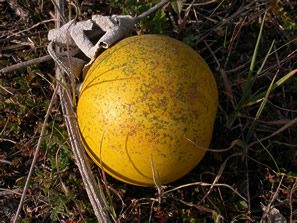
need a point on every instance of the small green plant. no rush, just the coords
(155, 24)
(190, 39)
(18, 107)
(279, 11)
(187, 217)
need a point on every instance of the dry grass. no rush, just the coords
(259, 168)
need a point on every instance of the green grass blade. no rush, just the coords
(275, 163)
(102, 193)
(248, 85)
(260, 110)
(225, 38)
(108, 204)
(263, 63)
(286, 44)
(217, 8)
(60, 82)
(275, 85)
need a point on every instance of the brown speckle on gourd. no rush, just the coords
(147, 95)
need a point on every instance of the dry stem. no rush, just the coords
(35, 155)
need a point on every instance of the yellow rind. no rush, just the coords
(140, 101)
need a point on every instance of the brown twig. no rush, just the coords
(35, 155)
(150, 11)
(268, 208)
(294, 188)
(204, 191)
(5, 162)
(151, 211)
(218, 176)
(5, 192)
(213, 184)
(35, 61)
(77, 147)
(32, 27)
(235, 36)
(199, 207)
(203, 184)
(4, 88)
(289, 124)
(212, 53)
(234, 143)
(205, 3)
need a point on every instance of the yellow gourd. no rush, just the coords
(143, 105)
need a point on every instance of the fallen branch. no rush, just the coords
(36, 61)
(35, 155)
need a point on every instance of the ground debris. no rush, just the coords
(19, 10)
(273, 215)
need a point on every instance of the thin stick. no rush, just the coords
(157, 184)
(218, 176)
(35, 155)
(151, 10)
(59, 14)
(248, 183)
(289, 124)
(5, 192)
(202, 184)
(5, 162)
(267, 210)
(80, 157)
(290, 199)
(6, 91)
(35, 61)
(77, 147)
(35, 25)
(233, 143)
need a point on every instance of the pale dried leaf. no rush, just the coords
(274, 215)
(59, 35)
(108, 29)
(118, 28)
(114, 28)
(80, 37)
